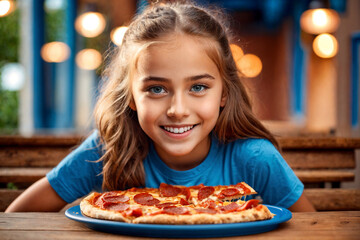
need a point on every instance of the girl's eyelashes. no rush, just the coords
(156, 90)
(199, 88)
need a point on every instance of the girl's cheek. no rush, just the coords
(208, 110)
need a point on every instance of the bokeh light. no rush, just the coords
(6, 7)
(117, 35)
(325, 45)
(321, 20)
(90, 24)
(12, 76)
(55, 52)
(237, 53)
(88, 59)
(250, 65)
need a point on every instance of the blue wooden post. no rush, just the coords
(298, 76)
(70, 40)
(355, 78)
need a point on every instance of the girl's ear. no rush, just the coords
(132, 105)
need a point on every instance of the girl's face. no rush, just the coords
(177, 93)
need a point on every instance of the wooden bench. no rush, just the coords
(322, 164)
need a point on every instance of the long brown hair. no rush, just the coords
(125, 144)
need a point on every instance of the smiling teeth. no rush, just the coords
(178, 130)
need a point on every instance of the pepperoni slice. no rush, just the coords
(167, 204)
(208, 204)
(146, 199)
(205, 192)
(243, 187)
(117, 206)
(113, 197)
(97, 200)
(230, 208)
(205, 210)
(136, 212)
(229, 192)
(184, 202)
(186, 192)
(172, 210)
(167, 190)
(249, 204)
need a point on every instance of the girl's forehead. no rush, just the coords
(183, 58)
(178, 44)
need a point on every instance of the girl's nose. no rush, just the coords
(178, 107)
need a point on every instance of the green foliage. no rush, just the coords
(9, 47)
(9, 38)
(9, 110)
(55, 25)
(11, 186)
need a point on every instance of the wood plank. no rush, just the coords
(22, 174)
(32, 156)
(316, 176)
(323, 225)
(7, 196)
(39, 140)
(87, 234)
(319, 143)
(301, 159)
(334, 199)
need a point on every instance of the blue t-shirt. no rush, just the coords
(254, 161)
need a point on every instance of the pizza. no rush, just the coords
(171, 204)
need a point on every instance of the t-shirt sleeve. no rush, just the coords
(78, 173)
(273, 178)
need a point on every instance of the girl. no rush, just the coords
(172, 110)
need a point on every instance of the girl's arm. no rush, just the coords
(39, 197)
(302, 205)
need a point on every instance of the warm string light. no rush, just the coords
(88, 59)
(90, 24)
(117, 35)
(55, 52)
(6, 7)
(237, 52)
(249, 65)
(320, 20)
(325, 45)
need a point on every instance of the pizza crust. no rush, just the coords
(92, 211)
(254, 214)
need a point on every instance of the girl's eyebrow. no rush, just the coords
(198, 77)
(192, 78)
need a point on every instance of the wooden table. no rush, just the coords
(321, 225)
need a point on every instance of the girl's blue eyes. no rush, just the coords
(198, 88)
(156, 89)
(160, 90)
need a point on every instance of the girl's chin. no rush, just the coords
(175, 150)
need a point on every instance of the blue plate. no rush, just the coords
(182, 231)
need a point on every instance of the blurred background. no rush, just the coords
(299, 60)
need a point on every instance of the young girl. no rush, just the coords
(172, 110)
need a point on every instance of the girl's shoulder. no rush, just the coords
(92, 141)
(250, 149)
(253, 145)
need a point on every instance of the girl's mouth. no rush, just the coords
(178, 130)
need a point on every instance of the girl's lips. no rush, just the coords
(178, 132)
